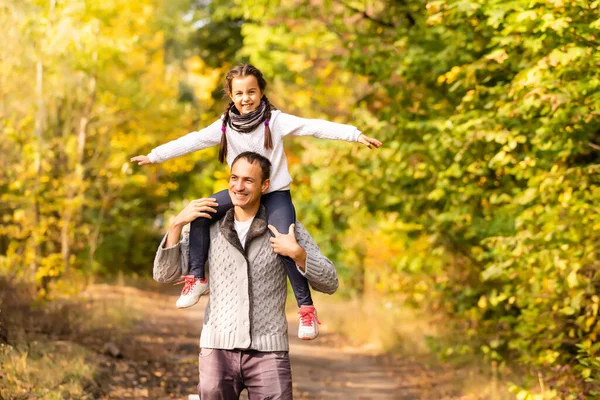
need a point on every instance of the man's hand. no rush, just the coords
(141, 160)
(286, 245)
(195, 209)
(369, 142)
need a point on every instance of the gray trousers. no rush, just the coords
(224, 374)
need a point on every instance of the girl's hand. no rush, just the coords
(141, 160)
(367, 141)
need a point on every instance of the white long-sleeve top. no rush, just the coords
(281, 125)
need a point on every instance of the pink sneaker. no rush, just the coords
(193, 288)
(308, 324)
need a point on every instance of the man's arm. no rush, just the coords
(171, 260)
(312, 264)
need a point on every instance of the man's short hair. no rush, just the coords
(252, 157)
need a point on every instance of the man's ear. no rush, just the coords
(265, 186)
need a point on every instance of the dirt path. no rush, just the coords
(160, 359)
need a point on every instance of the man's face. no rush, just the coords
(245, 184)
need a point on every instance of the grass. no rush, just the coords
(42, 350)
(45, 370)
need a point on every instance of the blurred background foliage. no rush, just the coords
(481, 206)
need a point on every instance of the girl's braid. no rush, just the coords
(223, 145)
(268, 139)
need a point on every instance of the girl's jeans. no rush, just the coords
(280, 213)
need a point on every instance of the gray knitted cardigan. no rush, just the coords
(246, 308)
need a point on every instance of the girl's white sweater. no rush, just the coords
(281, 125)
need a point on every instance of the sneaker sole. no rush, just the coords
(307, 338)
(183, 308)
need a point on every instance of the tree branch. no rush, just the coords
(585, 40)
(594, 146)
(407, 14)
(370, 18)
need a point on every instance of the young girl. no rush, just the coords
(251, 123)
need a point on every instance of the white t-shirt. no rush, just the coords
(242, 229)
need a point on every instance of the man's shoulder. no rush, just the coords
(215, 228)
(300, 229)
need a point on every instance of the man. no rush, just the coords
(244, 338)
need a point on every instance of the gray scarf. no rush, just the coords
(246, 123)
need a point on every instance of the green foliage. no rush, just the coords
(482, 204)
(82, 92)
(489, 114)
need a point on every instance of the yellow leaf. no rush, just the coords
(482, 303)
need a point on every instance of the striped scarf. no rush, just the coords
(246, 123)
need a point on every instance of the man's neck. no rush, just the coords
(245, 214)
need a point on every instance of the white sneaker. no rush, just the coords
(308, 324)
(193, 288)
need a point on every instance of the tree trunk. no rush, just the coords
(95, 237)
(76, 187)
(40, 123)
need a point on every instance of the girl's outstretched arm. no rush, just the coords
(288, 124)
(369, 142)
(193, 141)
(141, 160)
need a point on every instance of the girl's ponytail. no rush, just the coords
(268, 138)
(223, 145)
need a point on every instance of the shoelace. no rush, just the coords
(188, 281)
(307, 317)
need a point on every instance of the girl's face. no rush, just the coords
(245, 93)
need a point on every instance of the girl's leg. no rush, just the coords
(281, 214)
(200, 234)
